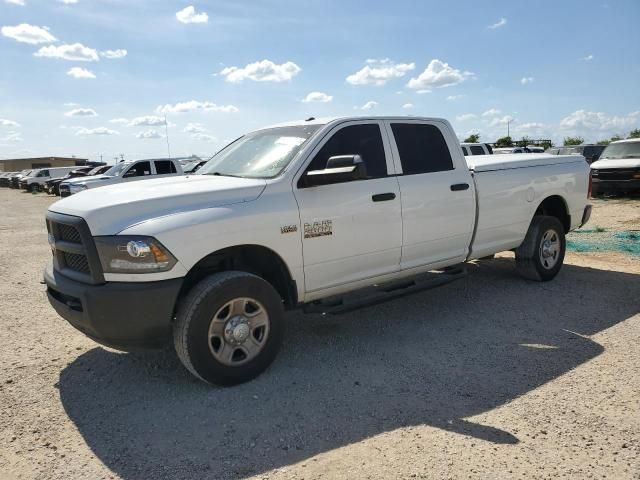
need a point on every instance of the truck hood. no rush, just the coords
(113, 208)
(616, 163)
(91, 179)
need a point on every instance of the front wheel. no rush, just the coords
(541, 254)
(229, 328)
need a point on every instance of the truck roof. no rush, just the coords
(326, 120)
(627, 140)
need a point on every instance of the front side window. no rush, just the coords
(422, 148)
(43, 173)
(364, 140)
(261, 154)
(164, 167)
(477, 150)
(140, 169)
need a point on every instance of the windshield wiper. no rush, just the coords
(218, 174)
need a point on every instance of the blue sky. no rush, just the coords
(97, 77)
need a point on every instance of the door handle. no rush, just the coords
(459, 186)
(383, 197)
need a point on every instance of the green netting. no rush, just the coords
(599, 240)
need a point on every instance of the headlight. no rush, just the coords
(77, 188)
(133, 254)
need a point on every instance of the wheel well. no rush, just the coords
(555, 206)
(255, 259)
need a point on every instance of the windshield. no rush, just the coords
(622, 150)
(32, 173)
(116, 170)
(260, 154)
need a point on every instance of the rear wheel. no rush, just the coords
(229, 328)
(541, 254)
(33, 188)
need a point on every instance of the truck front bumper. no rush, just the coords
(613, 186)
(122, 315)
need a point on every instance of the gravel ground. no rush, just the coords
(489, 377)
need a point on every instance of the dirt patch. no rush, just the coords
(489, 377)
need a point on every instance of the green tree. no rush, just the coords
(504, 142)
(546, 144)
(635, 133)
(604, 142)
(473, 138)
(568, 141)
(523, 142)
(615, 138)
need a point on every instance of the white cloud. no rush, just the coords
(599, 121)
(588, 58)
(204, 137)
(423, 91)
(532, 126)
(501, 121)
(317, 97)
(379, 72)
(189, 15)
(96, 131)
(26, 33)
(81, 112)
(77, 72)
(194, 128)
(454, 97)
(147, 121)
(500, 23)
(194, 105)
(68, 2)
(8, 123)
(407, 106)
(492, 112)
(526, 80)
(263, 71)
(75, 51)
(15, 2)
(149, 134)
(122, 121)
(369, 105)
(438, 74)
(112, 54)
(466, 116)
(13, 137)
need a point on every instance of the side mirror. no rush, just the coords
(339, 169)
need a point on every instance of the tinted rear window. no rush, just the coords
(422, 148)
(477, 150)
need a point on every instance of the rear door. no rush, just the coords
(137, 171)
(438, 203)
(352, 230)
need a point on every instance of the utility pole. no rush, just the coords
(508, 132)
(166, 132)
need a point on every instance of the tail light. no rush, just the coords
(590, 184)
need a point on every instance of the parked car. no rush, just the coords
(476, 149)
(14, 180)
(34, 182)
(507, 150)
(127, 171)
(52, 186)
(323, 215)
(535, 149)
(5, 178)
(591, 152)
(618, 169)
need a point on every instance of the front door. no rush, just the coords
(351, 230)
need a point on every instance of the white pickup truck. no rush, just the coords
(315, 214)
(123, 172)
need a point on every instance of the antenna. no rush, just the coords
(166, 132)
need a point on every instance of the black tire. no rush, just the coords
(33, 188)
(529, 258)
(195, 314)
